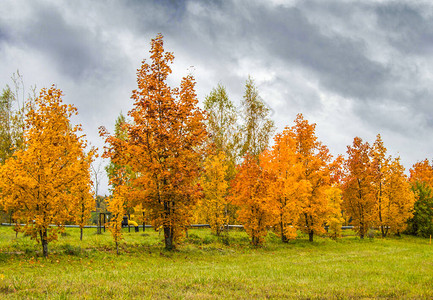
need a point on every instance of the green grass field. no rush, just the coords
(204, 267)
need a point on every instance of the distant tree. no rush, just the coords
(257, 127)
(421, 223)
(12, 113)
(335, 219)
(83, 202)
(224, 135)
(222, 126)
(118, 174)
(116, 205)
(422, 172)
(215, 187)
(11, 125)
(41, 182)
(164, 145)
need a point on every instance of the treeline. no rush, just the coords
(180, 165)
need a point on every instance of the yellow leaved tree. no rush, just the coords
(40, 184)
(116, 205)
(215, 187)
(399, 200)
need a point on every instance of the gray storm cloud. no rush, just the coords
(353, 67)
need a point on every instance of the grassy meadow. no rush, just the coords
(205, 267)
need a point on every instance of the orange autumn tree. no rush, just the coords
(286, 187)
(399, 201)
(317, 170)
(422, 172)
(164, 145)
(380, 168)
(215, 188)
(250, 191)
(358, 189)
(41, 183)
(393, 195)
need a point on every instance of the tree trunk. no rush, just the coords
(81, 233)
(117, 248)
(311, 235)
(168, 237)
(284, 238)
(44, 241)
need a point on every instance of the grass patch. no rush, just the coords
(208, 267)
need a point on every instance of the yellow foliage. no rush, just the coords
(335, 219)
(117, 209)
(215, 187)
(42, 183)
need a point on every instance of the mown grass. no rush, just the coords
(205, 267)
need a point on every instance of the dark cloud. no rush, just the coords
(407, 28)
(340, 63)
(354, 67)
(71, 47)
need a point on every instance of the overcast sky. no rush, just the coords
(356, 68)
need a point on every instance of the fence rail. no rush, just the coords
(150, 226)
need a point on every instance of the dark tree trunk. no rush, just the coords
(117, 248)
(284, 238)
(311, 235)
(168, 237)
(81, 233)
(44, 241)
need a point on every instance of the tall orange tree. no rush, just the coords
(287, 188)
(41, 183)
(393, 196)
(380, 164)
(164, 145)
(358, 190)
(317, 170)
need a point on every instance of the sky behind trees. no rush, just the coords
(356, 68)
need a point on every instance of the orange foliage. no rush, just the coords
(164, 145)
(358, 189)
(250, 191)
(422, 172)
(399, 201)
(286, 187)
(318, 170)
